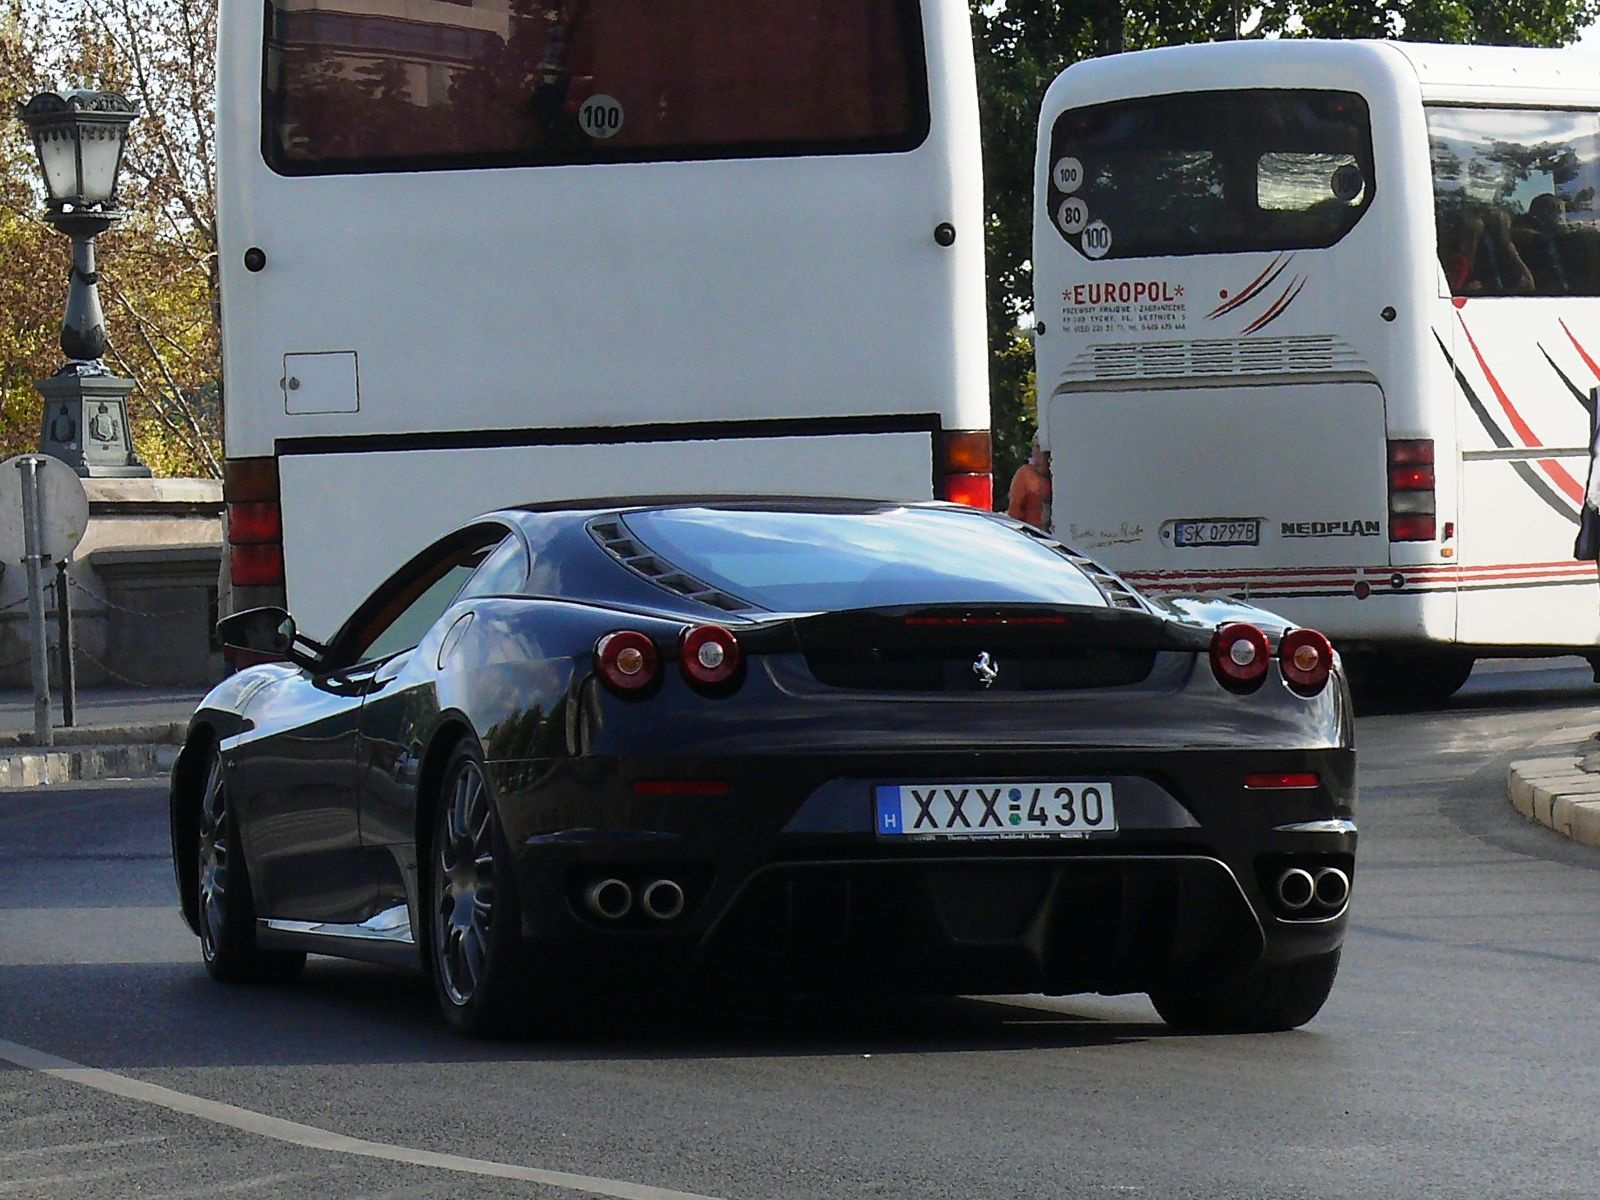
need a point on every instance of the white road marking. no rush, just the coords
(60, 1114)
(28, 1186)
(78, 1147)
(241, 1185)
(313, 1138)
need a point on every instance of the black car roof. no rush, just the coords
(754, 503)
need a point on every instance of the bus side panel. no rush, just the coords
(1520, 585)
(350, 519)
(1524, 365)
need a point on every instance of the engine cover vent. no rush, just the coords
(615, 540)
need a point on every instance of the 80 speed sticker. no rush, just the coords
(1073, 215)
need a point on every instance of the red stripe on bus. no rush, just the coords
(1560, 564)
(1582, 353)
(1378, 577)
(1280, 306)
(1417, 578)
(1556, 472)
(1251, 289)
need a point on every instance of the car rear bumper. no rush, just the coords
(786, 887)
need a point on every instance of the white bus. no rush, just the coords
(486, 252)
(1318, 325)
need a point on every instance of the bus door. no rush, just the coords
(1520, 252)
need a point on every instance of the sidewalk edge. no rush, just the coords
(78, 764)
(1557, 791)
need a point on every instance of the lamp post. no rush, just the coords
(79, 137)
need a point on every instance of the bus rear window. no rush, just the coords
(371, 85)
(1211, 172)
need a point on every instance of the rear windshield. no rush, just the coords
(1211, 172)
(811, 562)
(375, 85)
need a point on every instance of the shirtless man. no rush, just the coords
(1030, 490)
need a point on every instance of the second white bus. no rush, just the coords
(1319, 324)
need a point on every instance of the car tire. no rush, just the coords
(224, 911)
(473, 925)
(1267, 1000)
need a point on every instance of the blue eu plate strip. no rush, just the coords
(888, 811)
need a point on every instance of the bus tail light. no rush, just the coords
(963, 473)
(255, 523)
(1412, 504)
(1306, 659)
(256, 566)
(255, 528)
(1239, 657)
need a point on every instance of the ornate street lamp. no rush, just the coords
(79, 137)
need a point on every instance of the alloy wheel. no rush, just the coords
(464, 885)
(213, 848)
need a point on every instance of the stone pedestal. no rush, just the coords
(86, 424)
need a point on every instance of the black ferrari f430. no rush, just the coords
(799, 746)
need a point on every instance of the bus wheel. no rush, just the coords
(1397, 680)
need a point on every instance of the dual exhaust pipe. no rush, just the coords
(612, 899)
(1297, 889)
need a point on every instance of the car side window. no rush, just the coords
(401, 613)
(414, 621)
(503, 573)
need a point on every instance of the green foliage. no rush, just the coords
(1022, 45)
(1526, 23)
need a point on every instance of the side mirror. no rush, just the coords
(268, 631)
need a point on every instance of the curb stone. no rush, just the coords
(1560, 791)
(41, 768)
(90, 752)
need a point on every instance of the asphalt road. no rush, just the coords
(1455, 1058)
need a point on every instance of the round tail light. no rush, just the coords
(1306, 658)
(709, 655)
(627, 660)
(1239, 657)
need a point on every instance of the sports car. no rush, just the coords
(798, 746)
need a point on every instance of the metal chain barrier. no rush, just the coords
(78, 649)
(115, 674)
(173, 612)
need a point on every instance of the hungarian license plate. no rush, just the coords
(1217, 531)
(1070, 808)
